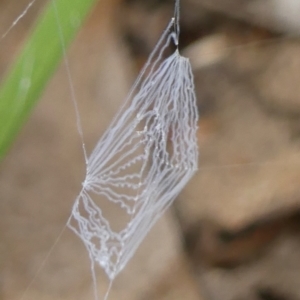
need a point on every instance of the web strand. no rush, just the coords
(71, 83)
(42, 265)
(78, 121)
(177, 21)
(279, 163)
(17, 20)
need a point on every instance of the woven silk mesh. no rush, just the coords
(142, 162)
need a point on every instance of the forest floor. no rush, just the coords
(232, 234)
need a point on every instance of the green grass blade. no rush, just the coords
(36, 63)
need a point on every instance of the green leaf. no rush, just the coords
(34, 66)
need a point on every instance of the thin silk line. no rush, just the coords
(279, 163)
(17, 20)
(43, 263)
(71, 83)
(79, 127)
(109, 289)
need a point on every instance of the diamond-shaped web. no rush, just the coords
(142, 162)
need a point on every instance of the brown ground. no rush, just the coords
(233, 232)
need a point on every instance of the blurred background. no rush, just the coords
(234, 232)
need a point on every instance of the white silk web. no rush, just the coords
(142, 162)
